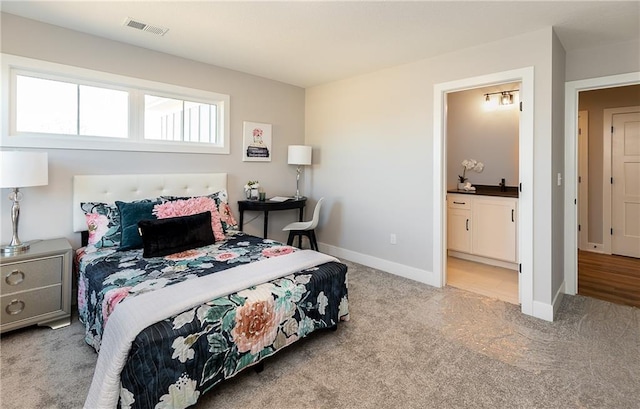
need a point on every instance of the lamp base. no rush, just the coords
(10, 250)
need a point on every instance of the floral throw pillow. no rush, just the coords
(188, 207)
(103, 224)
(221, 197)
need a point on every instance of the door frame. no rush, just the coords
(572, 88)
(583, 184)
(525, 203)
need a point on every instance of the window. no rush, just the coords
(170, 119)
(57, 106)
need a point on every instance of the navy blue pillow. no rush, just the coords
(162, 237)
(130, 214)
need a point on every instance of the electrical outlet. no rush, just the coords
(559, 179)
(393, 239)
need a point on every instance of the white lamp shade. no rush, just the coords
(23, 169)
(299, 155)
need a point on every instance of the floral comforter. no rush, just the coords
(174, 361)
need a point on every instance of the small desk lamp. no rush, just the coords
(299, 155)
(21, 169)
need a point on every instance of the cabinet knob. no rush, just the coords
(15, 307)
(15, 277)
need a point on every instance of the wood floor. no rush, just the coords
(610, 278)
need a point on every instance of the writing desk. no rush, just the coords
(267, 206)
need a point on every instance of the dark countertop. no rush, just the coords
(487, 190)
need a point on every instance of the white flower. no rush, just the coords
(126, 398)
(182, 349)
(182, 394)
(252, 184)
(323, 301)
(183, 319)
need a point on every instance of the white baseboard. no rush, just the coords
(546, 311)
(541, 310)
(398, 269)
(594, 247)
(483, 260)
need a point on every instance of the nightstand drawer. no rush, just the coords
(20, 306)
(27, 275)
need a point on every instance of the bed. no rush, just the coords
(168, 327)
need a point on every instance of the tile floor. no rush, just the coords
(490, 281)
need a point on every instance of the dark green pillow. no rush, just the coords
(130, 214)
(162, 237)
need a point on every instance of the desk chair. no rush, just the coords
(305, 229)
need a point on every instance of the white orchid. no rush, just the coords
(470, 164)
(252, 184)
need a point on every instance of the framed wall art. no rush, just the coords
(256, 146)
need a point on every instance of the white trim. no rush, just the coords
(12, 64)
(423, 276)
(583, 186)
(594, 248)
(484, 260)
(548, 311)
(525, 203)
(572, 89)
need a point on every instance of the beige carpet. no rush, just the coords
(407, 345)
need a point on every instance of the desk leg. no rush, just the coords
(266, 223)
(241, 220)
(301, 214)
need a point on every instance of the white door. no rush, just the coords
(625, 187)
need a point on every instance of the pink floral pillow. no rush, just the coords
(188, 207)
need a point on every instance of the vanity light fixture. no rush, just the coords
(506, 97)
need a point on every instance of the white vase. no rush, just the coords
(460, 186)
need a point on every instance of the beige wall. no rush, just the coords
(487, 135)
(46, 211)
(558, 64)
(595, 102)
(375, 134)
(602, 61)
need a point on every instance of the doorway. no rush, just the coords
(525, 211)
(572, 91)
(483, 127)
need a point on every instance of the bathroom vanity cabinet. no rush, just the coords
(484, 227)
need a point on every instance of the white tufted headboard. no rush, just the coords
(109, 188)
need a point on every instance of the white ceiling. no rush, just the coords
(307, 43)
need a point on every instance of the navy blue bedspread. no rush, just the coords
(174, 361)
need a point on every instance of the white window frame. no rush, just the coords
(14, 65)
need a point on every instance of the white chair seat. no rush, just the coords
(307, 229)
(297, 226)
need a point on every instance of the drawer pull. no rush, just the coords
(15, 307)
(15, 277)
(454, 202)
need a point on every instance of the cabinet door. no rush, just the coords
(494, 228)
(459, 230)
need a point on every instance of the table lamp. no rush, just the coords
(299, 155)
(21, 169)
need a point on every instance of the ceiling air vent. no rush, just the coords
(129, 22)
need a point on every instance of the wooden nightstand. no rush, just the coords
(35, 286)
